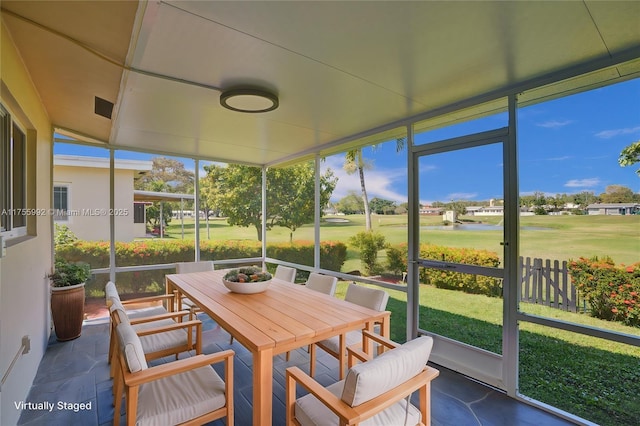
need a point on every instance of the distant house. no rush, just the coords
(429, 210)
(613, 208)
(81, 197)
(485, 210)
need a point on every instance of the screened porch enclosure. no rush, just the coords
(237, 98)
(324, 246)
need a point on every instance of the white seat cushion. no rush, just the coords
(367, 380)
(161, 341)
(310, 411)
(157, 341)
(352, 338)
(179, 398)
(146, 312)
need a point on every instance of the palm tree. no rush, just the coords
(355, 162)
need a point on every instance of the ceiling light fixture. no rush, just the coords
(249, 100)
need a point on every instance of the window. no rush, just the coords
(13, 189)
(138, 213)
(60, 203)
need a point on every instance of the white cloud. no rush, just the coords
(379, 182)
(554, 124)
(566, 157)
(608, 134)
(424, 168)
(583, 183)
(461, 196)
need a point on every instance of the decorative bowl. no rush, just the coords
(246, 288)
(247, 280)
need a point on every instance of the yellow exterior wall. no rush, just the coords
(24, 288)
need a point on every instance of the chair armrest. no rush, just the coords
(389, 344)
(165, 328)
(148, 299)
(177, 367)
(332, 402)
(142, 320)
(355, 351)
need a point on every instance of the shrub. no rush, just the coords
(150, 252)
(369, 242)
(63, 236)
(613, 293)
(469, 283)
(397, 259)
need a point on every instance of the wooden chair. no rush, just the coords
(187, 391)
(285, 273)
(160, 335)
(112, 295)
(376, 391)
(189, 267)
(336, 346)
(323, 283)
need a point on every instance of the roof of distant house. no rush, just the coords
(100, 162)
(611, 205)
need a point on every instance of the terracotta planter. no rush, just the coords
(67, 309)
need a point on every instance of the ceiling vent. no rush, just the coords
(103, 107)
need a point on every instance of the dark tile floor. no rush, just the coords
(77, 372)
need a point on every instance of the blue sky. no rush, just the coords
(567, 145)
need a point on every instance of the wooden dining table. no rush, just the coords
(286, 316)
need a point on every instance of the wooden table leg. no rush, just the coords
(262, 387)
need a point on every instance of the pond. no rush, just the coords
(480, 227)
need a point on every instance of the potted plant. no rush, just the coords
(67, 297)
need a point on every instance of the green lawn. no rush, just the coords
(564, 237)
(593, 378)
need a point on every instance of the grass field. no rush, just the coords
(562, 237)
(593, 378)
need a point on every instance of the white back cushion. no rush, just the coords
(285, 273)
(371, 298)
(110, 293)
(131, 348)
(322, 283)
(370, 379)
(187, 267)
(116, 308)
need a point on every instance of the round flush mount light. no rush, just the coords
(249, 100)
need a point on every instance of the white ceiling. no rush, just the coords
(340, 68)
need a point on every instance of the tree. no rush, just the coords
(290, 194)
(292, 191)
(350, 204)
(380, 206)
(630, 155)
(584, 198)
(166, 175)
(207, 193)
(617, 194)
(457, 206)
(355, 162)
(153, 211)
(169, 171)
